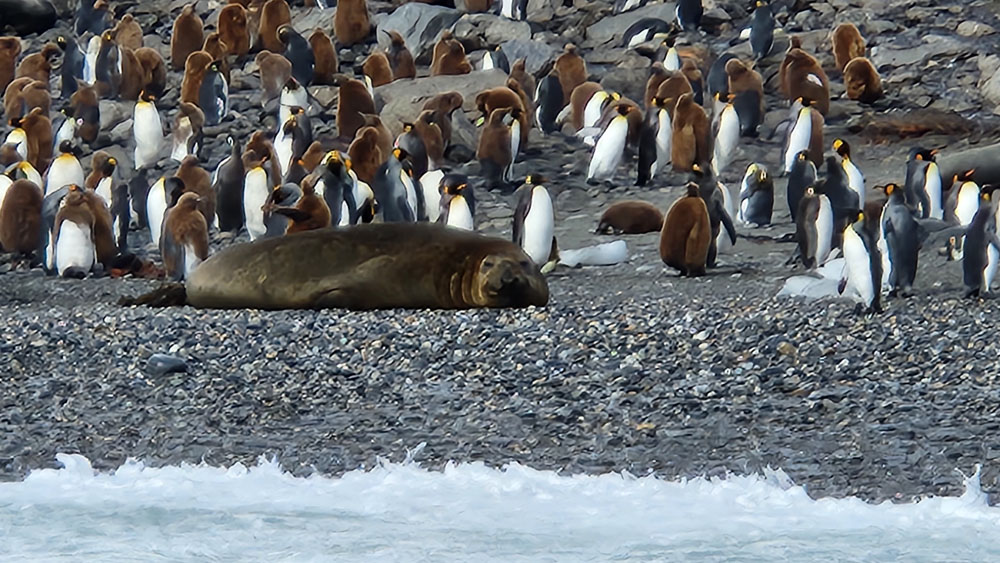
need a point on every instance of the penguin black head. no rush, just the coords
(891, 188)
(174, 187)
(108, 37)
(283, 33)
(454, 184)
(61, 41)
(67, 147)
(810, 191)
(535, 180)
(858, 215)
(986, 191)
(624, 109)
(400, 154)
(919, 153)
(967, 175)
(407, 127)
(109, 166)
(692, 189)
(802, 155)
(291, 84)
(841, 147)
(806, 102)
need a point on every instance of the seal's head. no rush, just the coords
(508, 278)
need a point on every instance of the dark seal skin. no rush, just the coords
(363, 267)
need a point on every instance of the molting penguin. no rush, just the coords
(184, 243)
(686, 234)
(761, 30)
(227, 181)
(213, 95)
(187, 134)
(902, 238)
(610, 146)
(457, 205)
(73, 236)
(534, 221)
(164, 192)
(855, 179)
(147, 130)
(65, 169)
(862, 266)
(814, 228)
(756, 196)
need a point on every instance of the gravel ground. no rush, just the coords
(628, 368)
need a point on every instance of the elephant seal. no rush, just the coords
(363, 267)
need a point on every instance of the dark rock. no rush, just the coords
(162, 364)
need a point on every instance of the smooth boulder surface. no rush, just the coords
(420, 25)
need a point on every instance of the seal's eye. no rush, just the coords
(488, 264)
(525, 264)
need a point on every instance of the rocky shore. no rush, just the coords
(629, 368)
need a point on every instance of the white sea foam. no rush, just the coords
(467, 512)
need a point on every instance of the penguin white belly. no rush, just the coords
(345, 215)
(283, 149)
(66, 132)
(723, 242)
(180, 149)
(488, 61)
(104, 190)
(932, 187)
(672, 61)
(30, 173)
(663, 136)
(539, 227)
(744, 196)
(411, 192)
(858, 267)
(855, 180)
(19, 139)
(592, 111)
(515, 142)
(75, 248)
(5, 183)
(968, 203)
(824, 230)
(726, 140)
(148, 134)
(430, 184)
(156, 206)
(290, 99)
(90, 60)
(798, 138)
(883, 248)
(191, 260)
(609, 149)
(255, 194)
(459, 214)
(64, 170)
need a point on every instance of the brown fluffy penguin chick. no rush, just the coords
(494, 150)
(686, 234)
(184, 240)
(452, 60)
(572, 70)
(862, 81)
(35, 94)
(233, 28)
(691, 135)
(9, 155)
(675, 86)
(427, 128)
(261, 145)
(366, 156)
(39, 65)
(12, 102)
(353, 100)
(102, 165)
(444, 105)
(804, 78)
(400, 58)
(274, 14)
(518, 72)
(526, 101)
(351, 22)
(86, 107)
(128, 33)
(10, 49)
(21, 217)
(153, 70)
(847, 44)
(325, 56)
(187, 127)
(690, 70)
(376, 67)
(274, 71)
(657, 74)
(504, 97)
(578, 101)
(194, 72)
(385, 137)
(743, 78)
(38, 130)
(630, 218)
(187, 37)
(103, 230)
(313, 156)
(310, 212)
(131, 76)
(198, 181)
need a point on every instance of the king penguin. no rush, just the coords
(862, 266)
(213, 95)
(65, 169)
(457, 205)
(799, 137)
(147, 130)
(761, 30)
(430, 185)
(292, 95)
(396, 192)
(255, 195)
(534, 222)
(688, 14)
(227, 181)
(727, 137)
(814, 228)
(161, 194)
(979, 237)
(73, 236)
(855, 179)
(756, 196)
(902, 238)
(610, 146)
(802, 176)
(923, 187)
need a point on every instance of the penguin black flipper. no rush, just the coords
(404, 209)
(647, 147)
(120, 213)
(171, 253)
(521, 213)
(727, 221)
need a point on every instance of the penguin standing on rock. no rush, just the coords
(756, 196)
(534, 223)
(862, 266)
(610, 146)
(761, 30)
(902, 237)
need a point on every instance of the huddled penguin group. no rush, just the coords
(69, 196)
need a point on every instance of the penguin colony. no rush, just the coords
(78, 216)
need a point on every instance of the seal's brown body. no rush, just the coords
(374, 266)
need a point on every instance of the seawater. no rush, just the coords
(467, 512)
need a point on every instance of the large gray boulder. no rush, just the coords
(535, 53)
(403, 100)
(614, 27)
(420, 25)
(488, 31)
